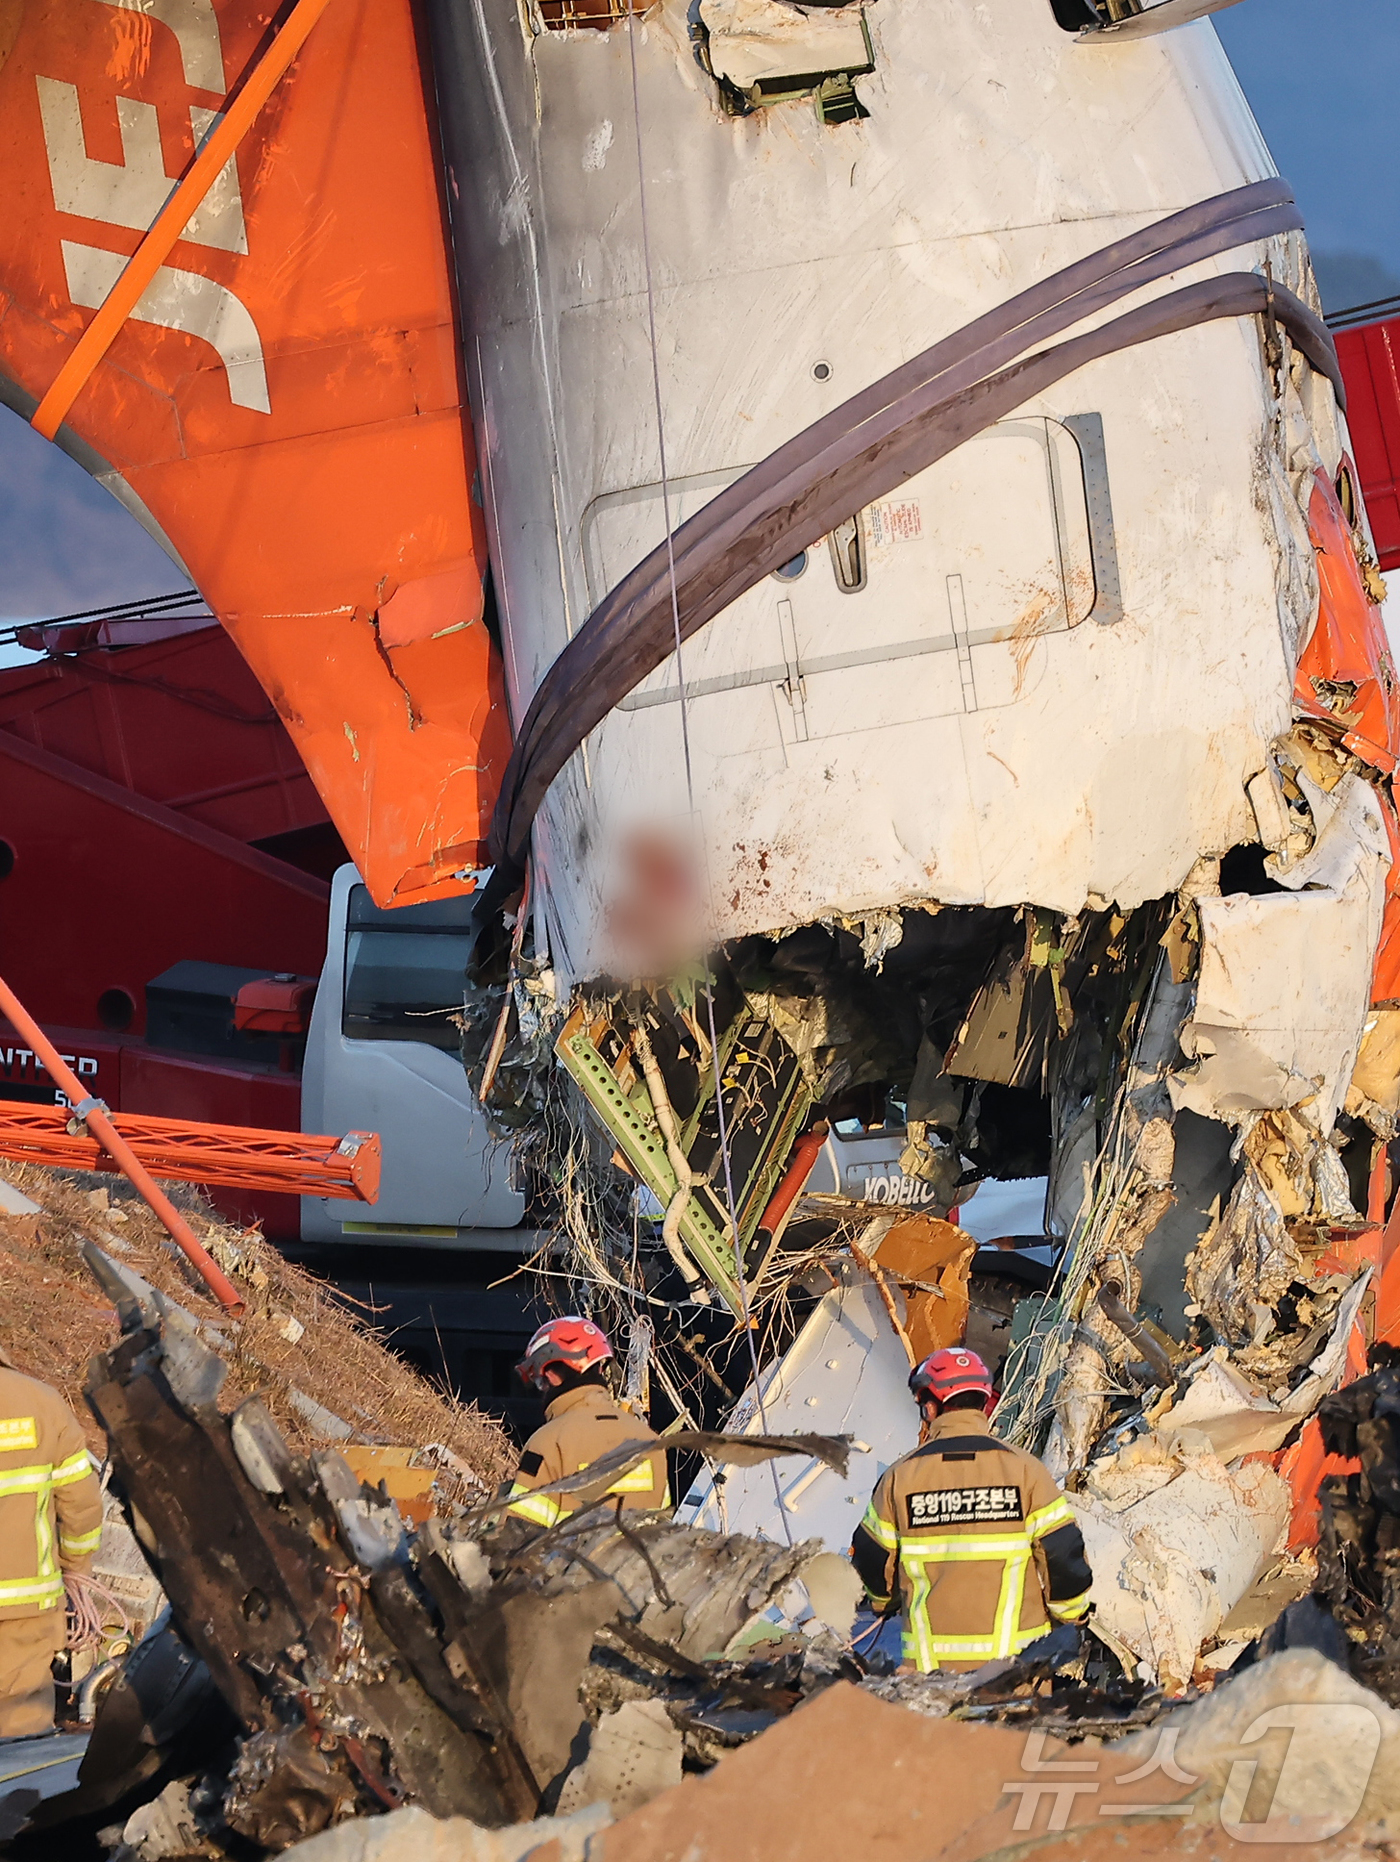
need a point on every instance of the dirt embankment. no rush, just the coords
(315, 1357)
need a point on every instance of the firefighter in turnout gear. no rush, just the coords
(566, 1361)
(971, 1536)
(50, 1526)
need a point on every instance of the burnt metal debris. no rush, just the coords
(289, 1587)
(323, 1662)
(1359, 1551)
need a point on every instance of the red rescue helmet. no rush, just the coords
(572, 1343)
(947, 1373)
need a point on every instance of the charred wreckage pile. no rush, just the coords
(482, 1688)
(1208, 1081)
(321, 1661)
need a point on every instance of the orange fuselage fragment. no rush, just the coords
(286, 401)
(1346, 676)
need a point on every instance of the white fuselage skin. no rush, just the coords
(985, 736)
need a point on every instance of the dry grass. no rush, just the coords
(297, 1336)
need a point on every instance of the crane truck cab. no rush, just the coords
(382, 1054)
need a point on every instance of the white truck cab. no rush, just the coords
(382, 1056)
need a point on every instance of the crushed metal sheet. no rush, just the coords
(1169, 1566)
(634, 1755)
(752, 40)
(1285, 977)
(846, 1369)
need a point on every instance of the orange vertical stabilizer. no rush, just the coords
(284, 406)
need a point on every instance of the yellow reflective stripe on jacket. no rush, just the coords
(1069, 1609)
(925, 1652)
(26, 1480)
(642, 1487)
(46, 1591)
(43, 1537)
(879, 1529)
(635, 1480)
(1013, 1591)
(1011, 1551)
(75, 1468)
(968, 1545)
(1046, 1518)
(539, 1508)
(974, 1648)
(40, 1479)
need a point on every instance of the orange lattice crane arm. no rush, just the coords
(240, 1157)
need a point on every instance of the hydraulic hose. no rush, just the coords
(1110, 1299)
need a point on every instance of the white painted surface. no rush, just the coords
(846, 1374)
(1285, 977)
(196, 28)
(1011, 1208)
(1169, 1568)
(180, 300)
(133, 191)
(937, 760)
(14, 1201)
